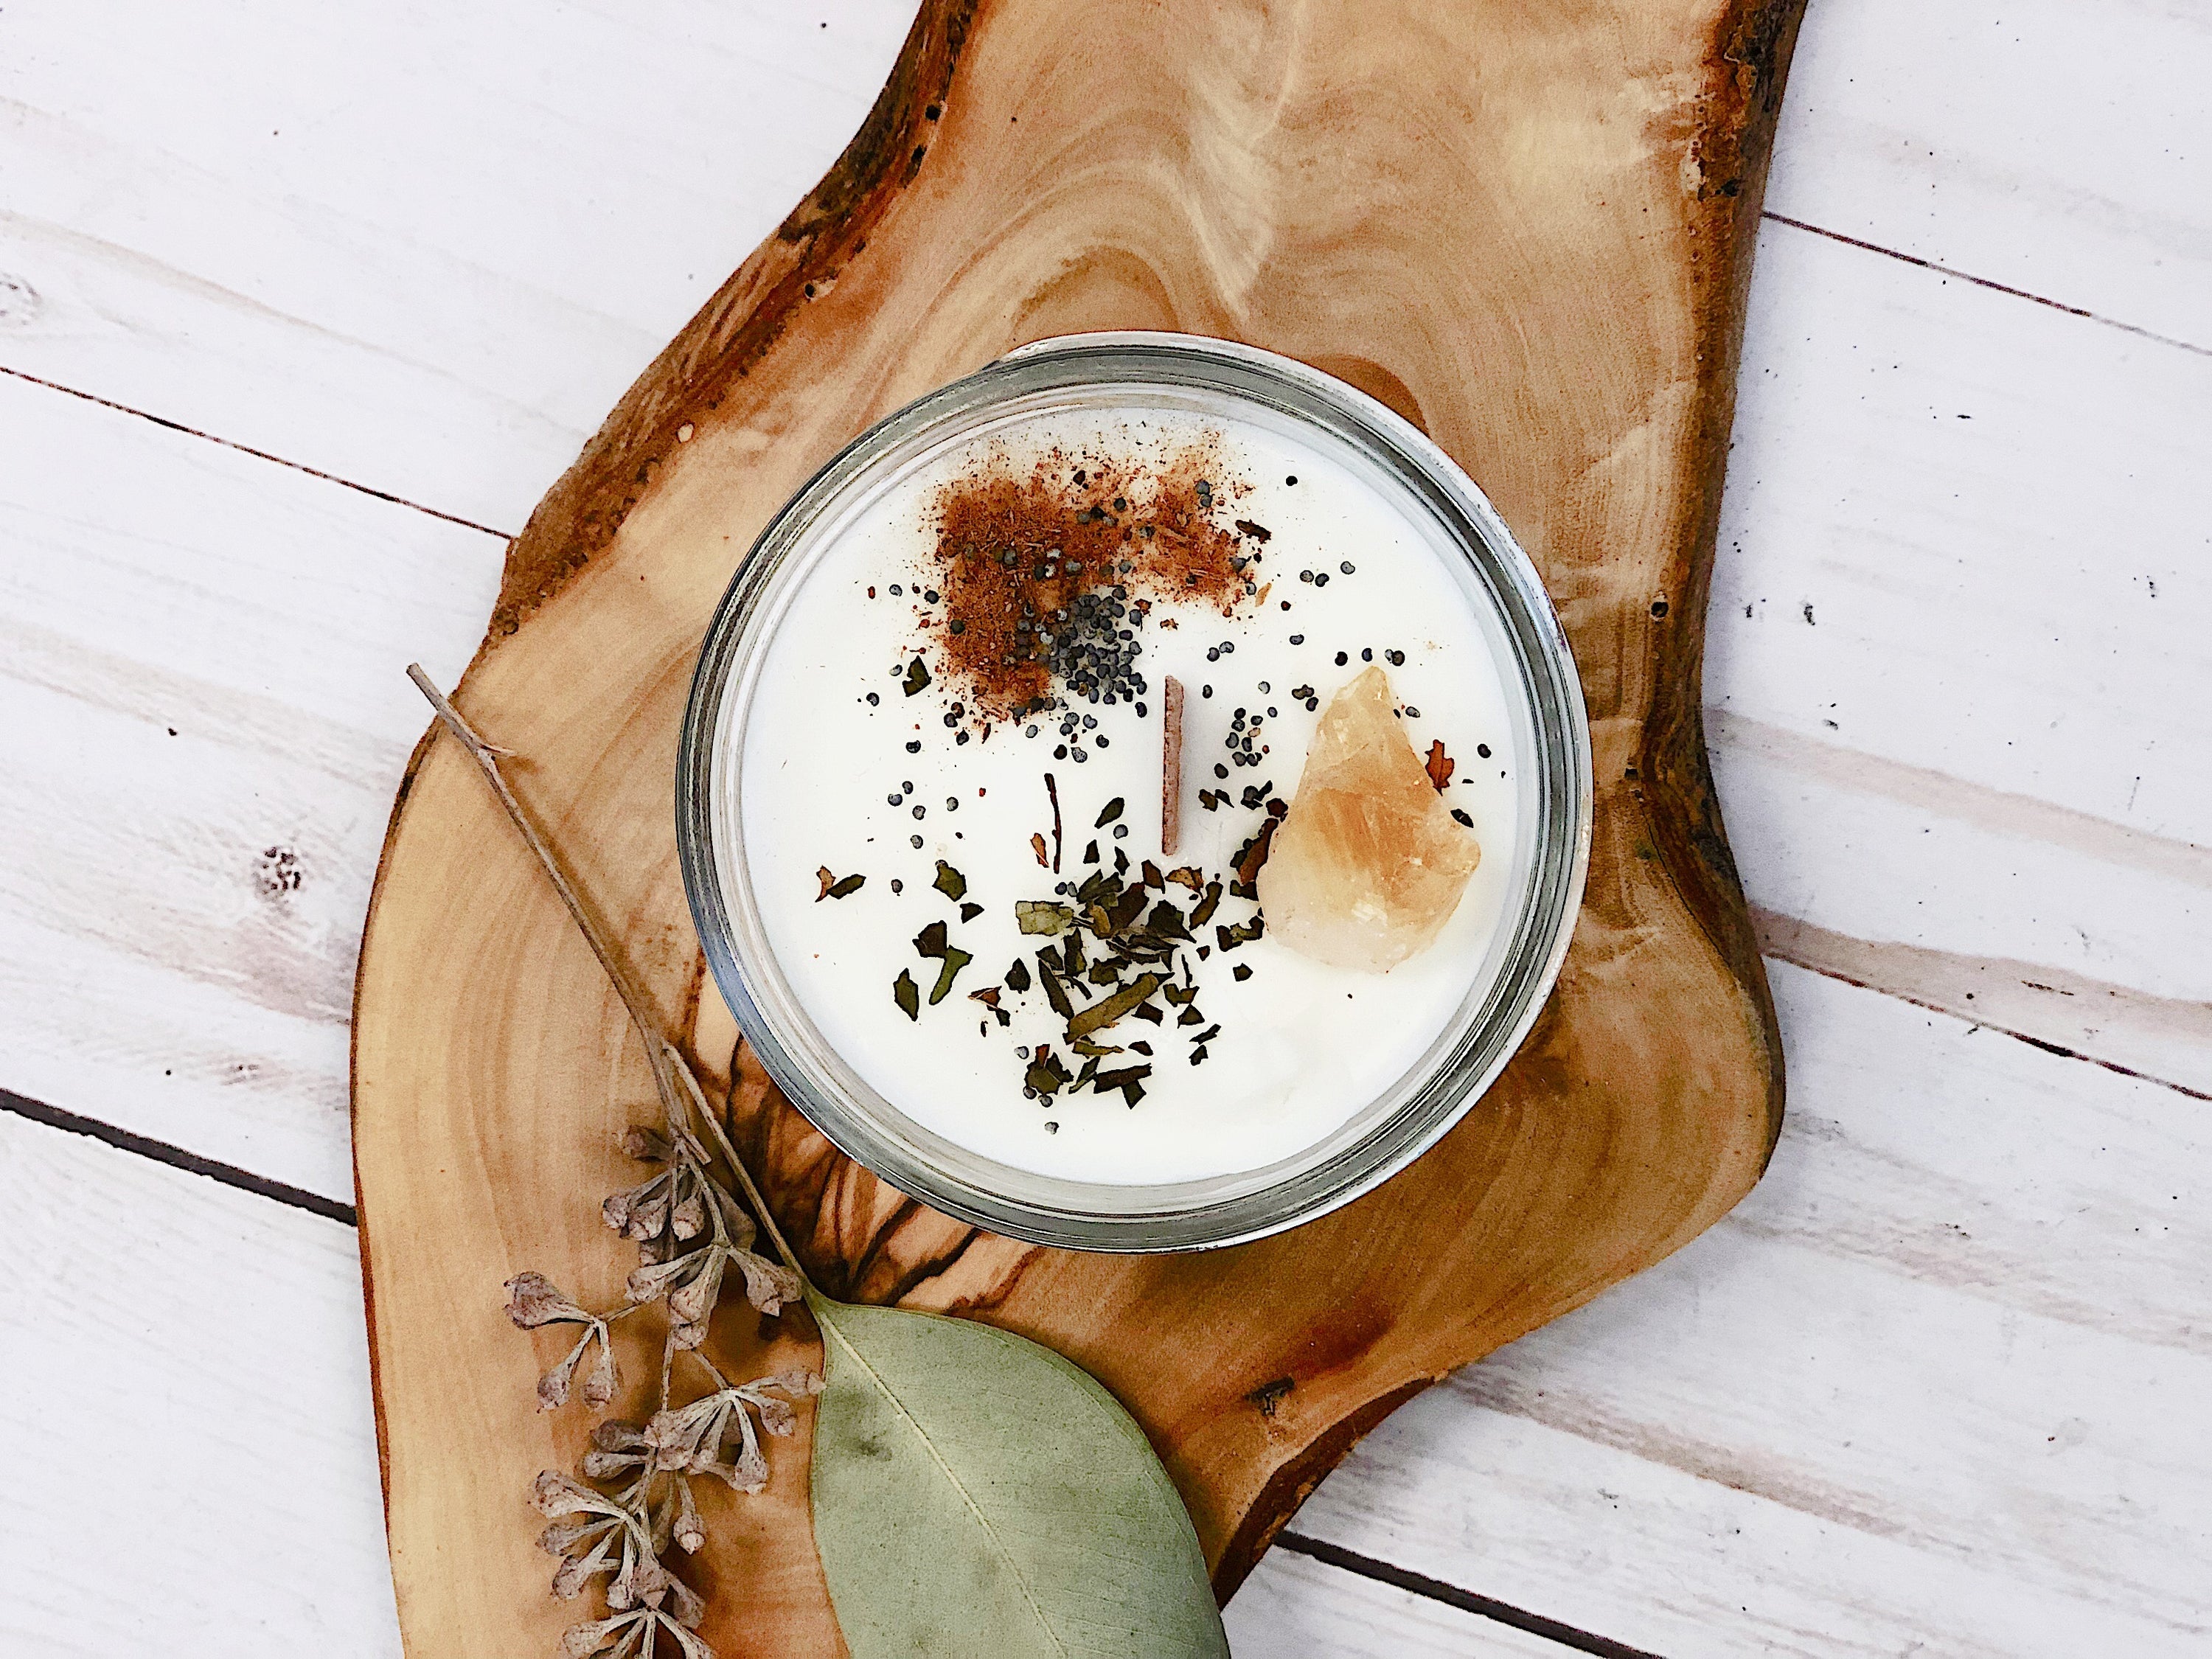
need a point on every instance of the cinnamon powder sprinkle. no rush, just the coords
(1050, 576)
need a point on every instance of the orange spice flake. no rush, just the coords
(1043, 573)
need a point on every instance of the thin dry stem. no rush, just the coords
(487, 759)
(744, 1177)
(665, 1058)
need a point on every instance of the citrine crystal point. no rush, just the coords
(1369, 864)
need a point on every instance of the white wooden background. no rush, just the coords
(303, 307)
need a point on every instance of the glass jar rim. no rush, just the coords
(1190, 1214)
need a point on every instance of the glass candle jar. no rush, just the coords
(848, 807)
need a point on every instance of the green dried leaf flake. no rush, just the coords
(906, 994)
(835, 887)
(1043, 916)
(1111, 811)
(917, 677)
(1100, 1015)
(949, 882)
(955, 960)
(1127, 1077)
(1207, 905)
(974, 1493)
(1055, 992)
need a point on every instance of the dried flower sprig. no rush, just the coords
(695, 1239)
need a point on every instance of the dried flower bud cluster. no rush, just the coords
(690, 1232)
(693, 1240)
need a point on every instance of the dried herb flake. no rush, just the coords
(1105, 1013)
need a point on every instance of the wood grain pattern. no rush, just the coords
(446, 315)
(1561, 211)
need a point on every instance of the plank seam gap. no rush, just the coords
(1984, 281)
(248, 449)
(1435, 1590)
(161, 1151)
(2043, 1043)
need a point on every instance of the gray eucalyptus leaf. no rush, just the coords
(975, 1494)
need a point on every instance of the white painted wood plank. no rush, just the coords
(2056, 148)
(192, 1456)
(1984, 741)
(1293, 1608)
(203, 718)
(1939, 1380)
(420, 246)
(1994, 512)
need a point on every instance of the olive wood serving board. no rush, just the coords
(1528, 228)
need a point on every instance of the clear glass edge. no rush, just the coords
(1543, 929)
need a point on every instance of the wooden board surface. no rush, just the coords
(193, 247)
(1558, 218)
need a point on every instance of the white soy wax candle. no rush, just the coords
(923, 775)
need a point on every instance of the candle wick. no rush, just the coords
(1170, 766)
